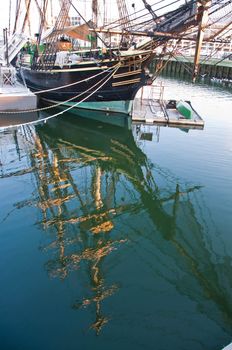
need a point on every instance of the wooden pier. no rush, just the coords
(211, 69)
(156, 110)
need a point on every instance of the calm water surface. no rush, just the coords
(109, 240)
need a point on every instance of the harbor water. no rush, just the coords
(113, 238)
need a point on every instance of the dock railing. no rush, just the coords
(157, 92)
(157, 95)
(7, 76)
(154, 97)
(13, 47)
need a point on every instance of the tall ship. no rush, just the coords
(105, 75)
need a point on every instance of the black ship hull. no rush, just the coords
(108, 85)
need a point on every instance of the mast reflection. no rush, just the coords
(97, 191)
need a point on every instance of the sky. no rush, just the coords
(84, 6)
(4, 5)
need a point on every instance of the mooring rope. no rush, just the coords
(60, 103)
(75, 83)
(66, 110)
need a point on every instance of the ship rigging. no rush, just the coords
(67, 76)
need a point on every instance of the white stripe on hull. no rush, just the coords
(122, 107)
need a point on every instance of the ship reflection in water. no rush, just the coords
(82, 174)
(107, 212)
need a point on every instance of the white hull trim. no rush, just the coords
(122, 107)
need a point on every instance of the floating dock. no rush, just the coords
(13, 95)
(150, 110)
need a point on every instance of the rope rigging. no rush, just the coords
(158, 18)
(51, 47)
(102, 81)
(61, 87)
(165, 17)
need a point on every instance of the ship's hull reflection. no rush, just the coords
(99, 195)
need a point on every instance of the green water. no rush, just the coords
(110, 239)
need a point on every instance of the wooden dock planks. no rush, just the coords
(154, 111)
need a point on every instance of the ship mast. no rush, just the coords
(51, 47)
(125, 22)
(42, 12)
(17, 14)
(202, 18)
(9, 19)
(95, 21)
(149, 8)
(123, 14)
(27, 16)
